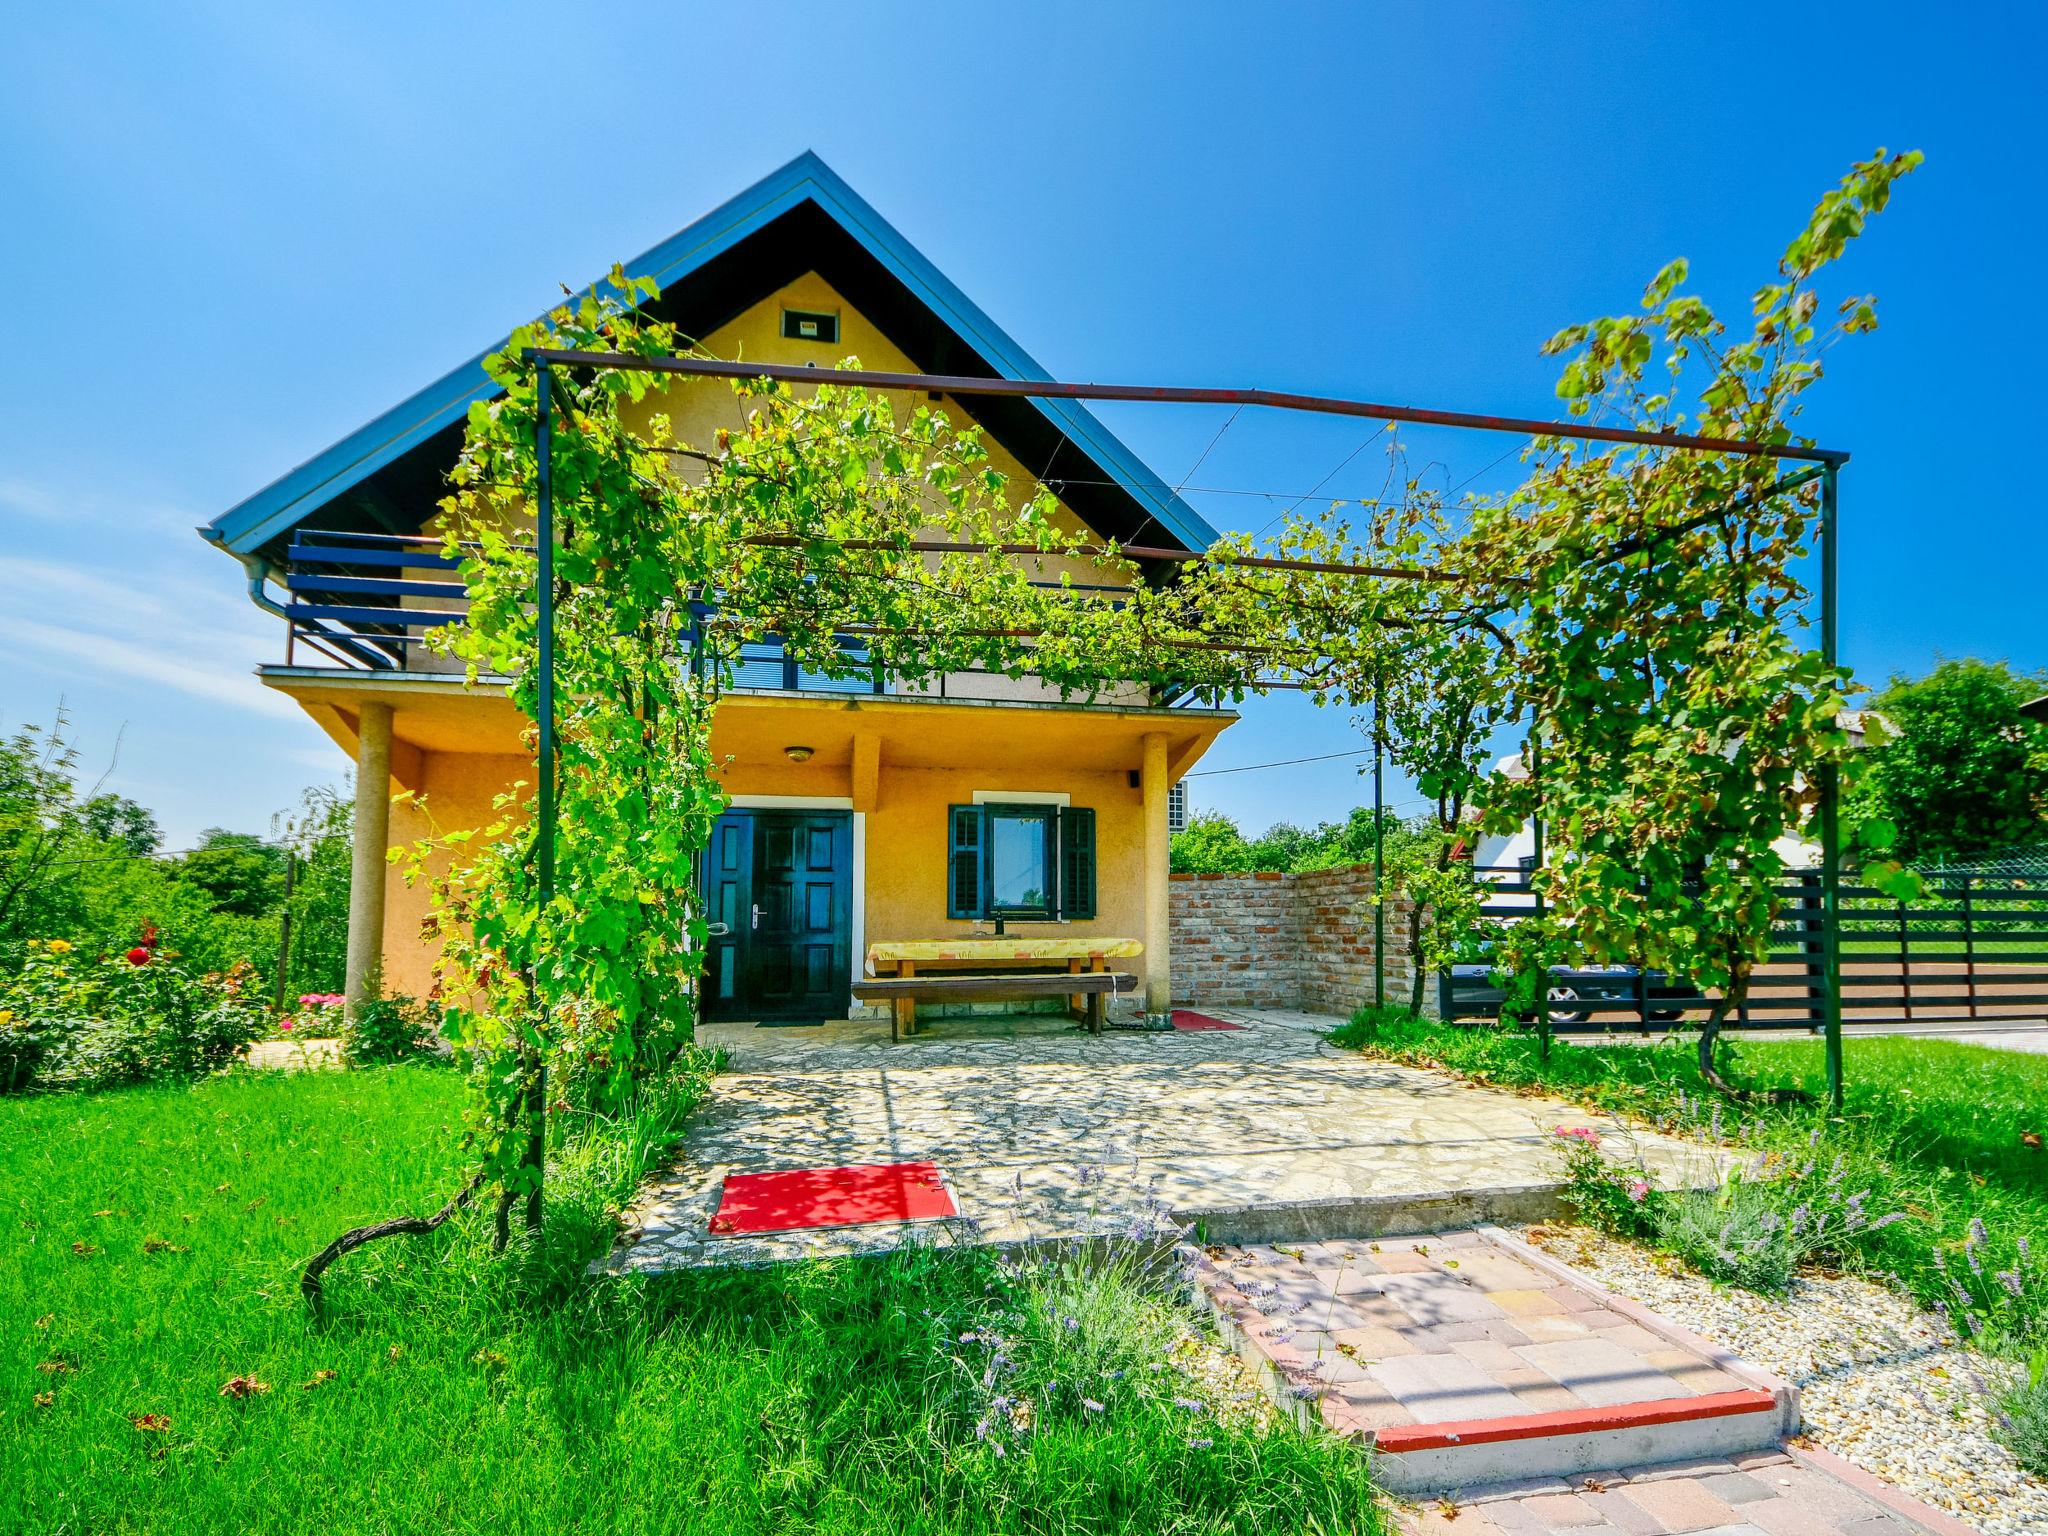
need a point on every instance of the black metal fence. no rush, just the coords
(1973, 947)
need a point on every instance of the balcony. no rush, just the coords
(368, 602)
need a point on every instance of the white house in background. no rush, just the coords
(1506, 858)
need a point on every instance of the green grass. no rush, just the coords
(1934, 1128)
(514, 1395)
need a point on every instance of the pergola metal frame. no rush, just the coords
(1827, 461)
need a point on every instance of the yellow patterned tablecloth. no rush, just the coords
(921, 951)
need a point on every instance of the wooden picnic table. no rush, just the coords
(903, 958)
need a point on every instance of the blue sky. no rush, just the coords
(234, 233)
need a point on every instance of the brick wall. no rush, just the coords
(1284, 940)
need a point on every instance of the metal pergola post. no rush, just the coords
(544, 704)
(1379, 845)
(1830, 796)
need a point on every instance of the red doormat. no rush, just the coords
(1184, 1019)
(832, 1197)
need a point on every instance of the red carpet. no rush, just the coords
(832, 1197)
(1184, 1019)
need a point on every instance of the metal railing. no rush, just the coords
(369, 601)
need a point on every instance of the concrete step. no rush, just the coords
(1466, 1357)
(1465, 1453)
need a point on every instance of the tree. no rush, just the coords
(117, 819)
(1679, 726)
(241, 872)
(42, 826)
(1955, 768)
(1211, 845)
(320, 836)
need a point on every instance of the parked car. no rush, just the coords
(1576, 991)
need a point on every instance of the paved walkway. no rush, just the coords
(1757, 1493)
(1263, 1133)
(295, 1055)
(1505, 1393)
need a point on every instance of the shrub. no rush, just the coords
(2021, 1413)
(391, 1028)
(122, 1018)
(320, 1016)
(1614, 1199)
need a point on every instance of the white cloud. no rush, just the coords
(43, 504)
(169, 661)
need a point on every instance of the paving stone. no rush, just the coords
(1527, 1303)
(1661, 1471)
(1544, 1329)
(1497, 1360)
(1751, 1461)
(1373, 1343)
(1329, 1313)
(1736, 1487)
(1636, 1337)
(1339, 1368)
(1368, 1405)
(1788, 1517)
(1540, 1395)
(1624, 1514)
(1516, 1518)
(1816, 1490)
(1435, 1297)
(1436, 1388)
(1562, 1511)
(1348, 1279)
(1680, 1504)
(1492, 1270)
(1432, 1521)
(1601, 1372)
(1695, 1374)
(1518, 1488)
(1404, 1263)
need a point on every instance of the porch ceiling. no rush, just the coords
(440, 714)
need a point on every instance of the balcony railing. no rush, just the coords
(369, 602)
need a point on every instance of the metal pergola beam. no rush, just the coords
(546, 359)
(1173, 394)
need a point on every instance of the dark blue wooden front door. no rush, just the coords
(780, 886)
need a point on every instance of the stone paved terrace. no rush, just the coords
(1263, 1133)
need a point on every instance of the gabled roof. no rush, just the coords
(800, 218)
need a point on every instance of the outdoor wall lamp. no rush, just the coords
(797, 754)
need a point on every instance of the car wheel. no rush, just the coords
(1565, 1015)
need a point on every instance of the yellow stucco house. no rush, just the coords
(861, 811)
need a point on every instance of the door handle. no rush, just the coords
(717, 930)
(757, 915)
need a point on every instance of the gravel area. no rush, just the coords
(1881, 1383)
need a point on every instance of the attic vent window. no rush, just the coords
(809, 325)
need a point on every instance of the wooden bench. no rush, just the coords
(912, 990)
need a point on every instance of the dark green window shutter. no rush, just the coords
(963, 862)
(1077, 862)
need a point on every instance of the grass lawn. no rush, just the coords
(1938, 1129)
(152, 1239)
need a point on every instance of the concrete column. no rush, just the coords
(372, 837)
(1158, 961)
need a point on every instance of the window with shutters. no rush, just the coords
(1020, 861)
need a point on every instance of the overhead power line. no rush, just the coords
(1289, 762)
